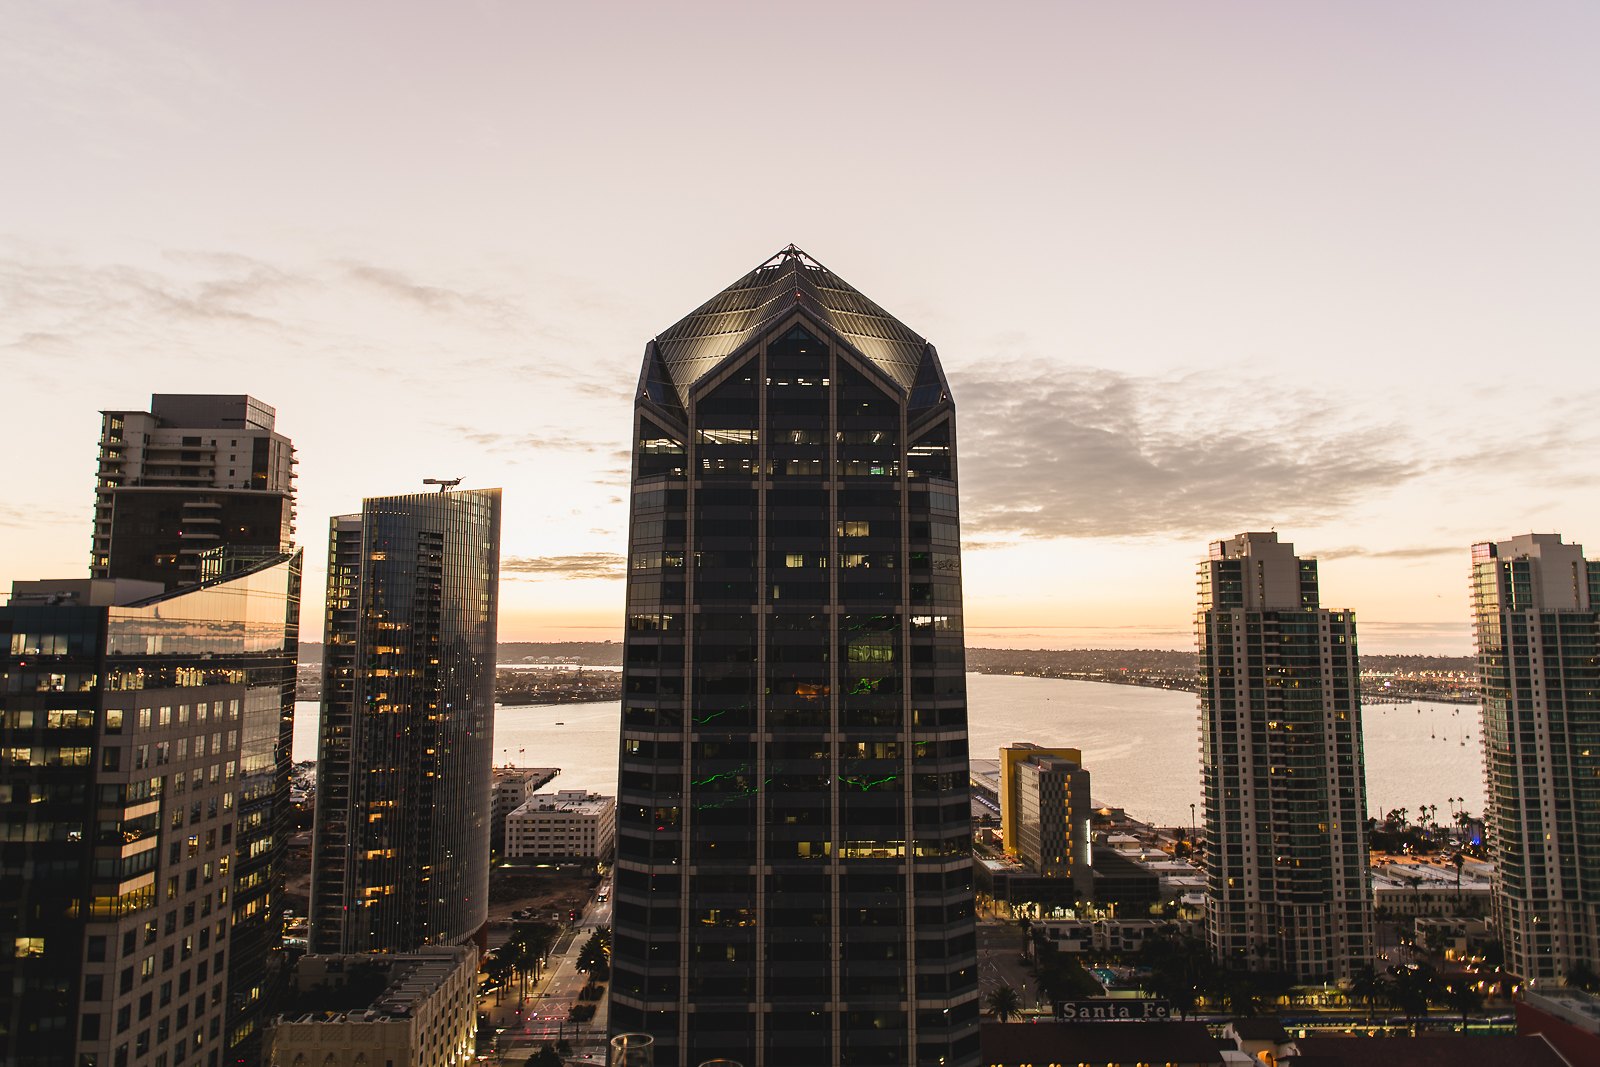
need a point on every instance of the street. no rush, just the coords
(542, 1016)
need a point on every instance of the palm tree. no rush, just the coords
(1460, 995)
(1368, 987)
(527, 945)
(1004, 1002)
(499, 967)
(1415, 882)
(1181, 969)
(1412, 988)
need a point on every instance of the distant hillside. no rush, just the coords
(585, 653)
(1031, 660)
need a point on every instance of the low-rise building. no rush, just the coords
(1425, 887)
(1452, 937)
(569, 824)
(1123, 883)
(512, 788)
(380, 1010)
(1017, 892)
(1425, 1050)
(1180, 1044)
(1568, 1019)
(1120, 936)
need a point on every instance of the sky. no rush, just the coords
(1192, 269)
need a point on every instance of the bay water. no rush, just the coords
(1140, 745)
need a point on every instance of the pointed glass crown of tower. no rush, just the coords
(790, 281)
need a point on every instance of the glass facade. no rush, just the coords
(1536, 607)
(401, 854)
(144, 762)
(1282, 767)
(793, 881)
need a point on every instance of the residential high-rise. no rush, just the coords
(400, 857)
(1536, 608)
(1281, 758)
(793, 880)
(194, 473)
(1044, 812)
(143, 788)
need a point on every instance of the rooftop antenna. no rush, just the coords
(444, 484)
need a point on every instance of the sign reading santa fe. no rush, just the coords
(1107, 1009)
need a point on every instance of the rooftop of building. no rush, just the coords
(133, 592)
(83, 592)
(214, 410)
(369, 988)
(1474, 877)
(790, 280)
(577, 801)
(1259, 1030)
(1569, 1005)
(1159, 1042)
(207, 411)
(1425, 1050)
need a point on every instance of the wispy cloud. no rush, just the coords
(1418, 552)
(48, 300)
(591, 565)
(55, 302)
(23, 518)
(496, 441)
(1089, 453)
(438, 298)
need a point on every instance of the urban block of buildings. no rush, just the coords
(512, 786)
(794, 882)
(143, 782)
(568, 824)
(1424, 887)
(1282, 767)
(408, 1009)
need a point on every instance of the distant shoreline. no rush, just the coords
(524, 672)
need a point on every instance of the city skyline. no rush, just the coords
(1101, 211)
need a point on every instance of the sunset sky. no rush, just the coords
(1330, 268)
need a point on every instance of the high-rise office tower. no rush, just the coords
(193, 473)
(401, 851)
(1284, 777)
(793, 881)
(1536, 608)
(1044, 812)
(141, 759)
